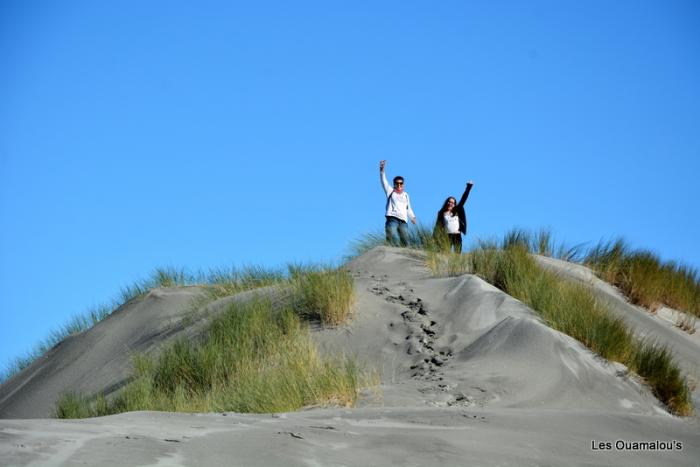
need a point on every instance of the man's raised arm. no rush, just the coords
(382, 177)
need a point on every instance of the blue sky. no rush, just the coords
(204, 134)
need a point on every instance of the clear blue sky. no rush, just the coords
(202, 134)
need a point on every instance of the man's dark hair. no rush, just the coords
(398, 178)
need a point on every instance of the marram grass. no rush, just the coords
(323, 293)
(573, 310)
(419, 237)
(645, 278)
(253, 359)
(641, 275)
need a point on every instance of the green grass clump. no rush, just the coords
(641, 275)
(219, 282)
(364, 243)
(655, 363)
(224, 282)
(323, 293)
(73, 405)
(645, 278)
(574, 310)
(160, 277)
(542, 243)
(447, 264)
(254, 359)
(419, 237)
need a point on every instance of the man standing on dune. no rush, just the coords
(398, 209)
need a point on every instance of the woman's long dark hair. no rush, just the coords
(443, 210)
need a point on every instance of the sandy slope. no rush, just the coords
(685, 347)
(469, 376)
(97, 359)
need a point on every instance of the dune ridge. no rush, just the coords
(468, 374)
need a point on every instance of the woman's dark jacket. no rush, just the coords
(459, 212)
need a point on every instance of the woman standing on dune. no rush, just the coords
(451, 221)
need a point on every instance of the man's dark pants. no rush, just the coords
(391, 226)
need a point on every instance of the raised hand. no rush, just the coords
(381, 165)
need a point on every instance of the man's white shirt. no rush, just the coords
(398, 204)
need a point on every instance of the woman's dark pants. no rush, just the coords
(456, 242)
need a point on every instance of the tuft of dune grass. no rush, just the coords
(572, 309)
(223, 282)
(640, 274)
(419, 237)
(645, 278)
(323, 293)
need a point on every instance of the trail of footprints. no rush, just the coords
(421, 340)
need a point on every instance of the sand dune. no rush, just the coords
(686, 347)
(468, 375)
